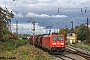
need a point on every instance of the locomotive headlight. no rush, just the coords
(54, 43)
(62, 43)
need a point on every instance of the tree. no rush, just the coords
(63, 31)
(6, 15)
(89, 35)
(5, 19)
(77, 28)
(81, 32)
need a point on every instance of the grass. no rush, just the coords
(21, 50)
(28, 52)
(82, 45)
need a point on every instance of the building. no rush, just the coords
(71, 37)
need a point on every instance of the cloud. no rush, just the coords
(89, 26)
(20, 15)
(24, 28)
(32, 14)
(27, 29)
(43, 5)
(46, 9)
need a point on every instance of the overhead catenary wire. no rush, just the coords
(5, 3)
(15, 4)
(85, 11)
(72, 5)
(68, 6)
(82, 12)
(12, 3)
(58, 9)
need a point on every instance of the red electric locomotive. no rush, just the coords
(54, 42)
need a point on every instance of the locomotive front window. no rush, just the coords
(57, 38)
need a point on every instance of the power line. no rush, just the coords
(10, 5)
(68, 6)
(14, 5)
(72, 5)
(82, 13)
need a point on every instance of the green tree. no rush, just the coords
(5, 19)
(81, 32)
(89, 35)
(77, 28)
(6, 15)
(63, 31)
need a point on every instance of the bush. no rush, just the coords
(6, 37)
(9, 47)
(12, 44)
(2, 46)
(20, 43)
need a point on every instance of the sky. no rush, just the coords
(55, 13)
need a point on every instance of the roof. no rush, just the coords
(71, 32)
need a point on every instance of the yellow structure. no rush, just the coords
(71, 37)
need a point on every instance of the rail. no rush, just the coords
(78, 52)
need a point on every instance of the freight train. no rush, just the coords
(53, 42)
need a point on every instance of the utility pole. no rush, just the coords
(17, 29)
(33, 22)
(87, 33)
(1, 36)
(58, 10)
(49, 27)
(57, 30)
(72, 25)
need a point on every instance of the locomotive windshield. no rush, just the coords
(57, 38)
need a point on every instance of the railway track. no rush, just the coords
(64, 57)
(77, 52)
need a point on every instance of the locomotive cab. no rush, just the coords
(57, 42)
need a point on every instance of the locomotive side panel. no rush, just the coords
(46, 41)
